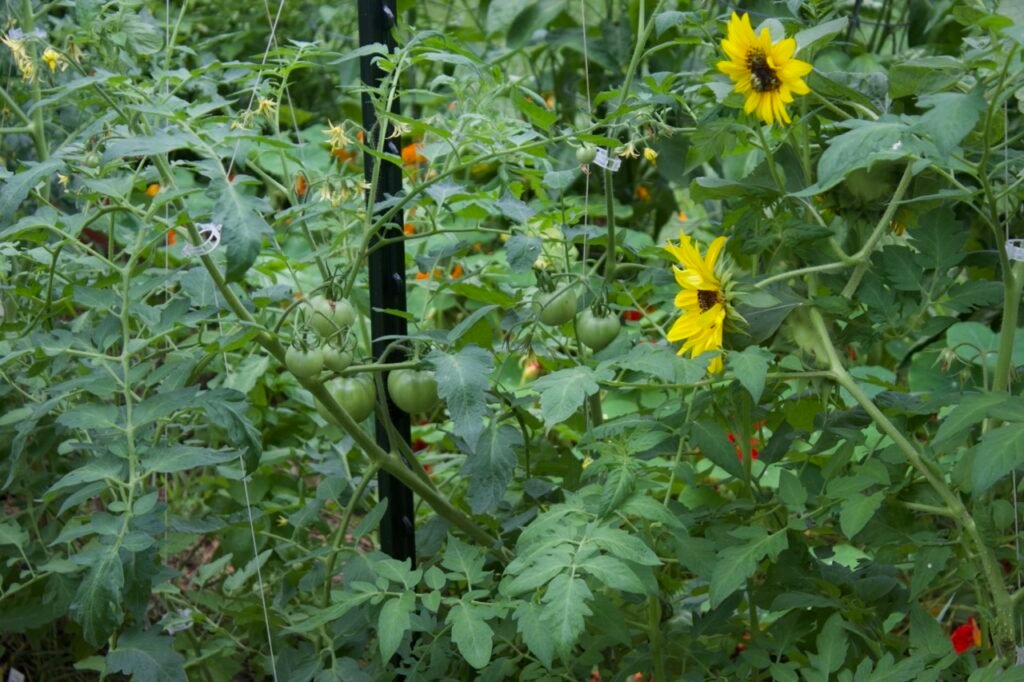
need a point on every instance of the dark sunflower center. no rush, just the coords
(706, 299)
(762, 76)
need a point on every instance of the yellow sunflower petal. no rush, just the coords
(793, 69)
(752, 103)
(711, 257)
(798, 87)
(782, 51)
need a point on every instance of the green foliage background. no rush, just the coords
(579, 513)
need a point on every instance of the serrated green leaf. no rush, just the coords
(371, 520)
(97, 602)
(393, 622)
(713, 441)
(522, 252)
(737, 564)
(535, 632)
(750, 367)
(462, 383)
(972, 409)
(832, 646)
(857, 510)
(614, 573)
(322, 616)
(563, 392)
(242, 225)
(792, 491)
(171, 460)
(491, 466)
(625, 546)
(17, 187)
(146, 657)
(999, 452)
(564, 612)
(471, 634)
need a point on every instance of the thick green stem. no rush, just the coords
(609, 201)
(864, 255)
(339, 534)
(1001, 601)
(1013, 280)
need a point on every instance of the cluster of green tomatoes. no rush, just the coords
(413, 391)
(596, 327)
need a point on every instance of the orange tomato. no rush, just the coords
(411, 154)
(409, 228)
(172, 237)
(642, 193)
(152, 189)
(301, 185)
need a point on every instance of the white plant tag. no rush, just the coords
(1015, 249)
(604, 161)
(210, 232)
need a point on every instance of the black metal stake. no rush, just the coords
(387, 278)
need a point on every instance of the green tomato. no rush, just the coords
(586, 153)
(556, 308)
(357, 395)
(330, 316)
(413, 391)
(337, 359)
(597, 332)
(304, 363)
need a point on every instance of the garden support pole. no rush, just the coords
(387, 277)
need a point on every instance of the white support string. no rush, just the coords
(259, 572)
(259, 79)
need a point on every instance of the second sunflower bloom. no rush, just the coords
(765, 73)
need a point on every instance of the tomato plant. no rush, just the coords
(798, 459)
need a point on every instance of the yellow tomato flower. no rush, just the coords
(702, 299)
(651, 155)
(52, 58)
(765, 73)
(336, 136)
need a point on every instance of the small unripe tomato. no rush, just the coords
(596, 332)
(330, 316)
(555, 308)
(304, 363)
(413, 391)
(586, 153)
(357, 395)
(337, 359)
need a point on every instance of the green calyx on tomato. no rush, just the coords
(557, 307)
(596, 331)
(414, 391)
(304, 363)
(357, 395)
(329, 317)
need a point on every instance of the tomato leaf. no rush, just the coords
(462, 383)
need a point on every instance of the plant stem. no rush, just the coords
(654, 632)
(864, 255)
(1013, 280)
(1003, 607)
(339, 533)
(609, 201)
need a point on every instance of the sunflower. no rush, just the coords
(703, 299)
(765, 73)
